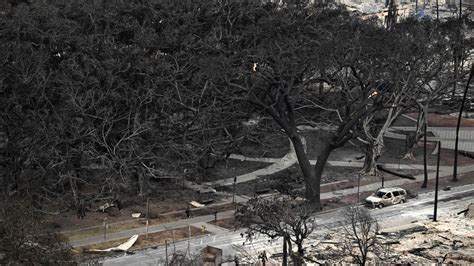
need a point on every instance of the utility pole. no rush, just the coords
(437, 183)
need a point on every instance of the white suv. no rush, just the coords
(386, 196)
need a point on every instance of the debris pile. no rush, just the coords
(449, 240)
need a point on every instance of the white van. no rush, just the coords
(386, 196)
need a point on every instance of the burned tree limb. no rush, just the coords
(407, 176)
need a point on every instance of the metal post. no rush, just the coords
(189, 237)
(105, 228)
(166, 251)
(146, 229)
(437, 182)
(174, 241)
(147, 215)
(147, 208)
(358, 188)
(215, 216)
(399, 156)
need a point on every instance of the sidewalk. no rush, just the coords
(278, 165)
(445, 171)
(196, 221)
(204, 220)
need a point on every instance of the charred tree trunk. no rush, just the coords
(413, 138)
(300, 255)
(290, 249)
(370, 161)
(313, 187)
(373, 152)
(12, 167)
(301, 155)
(285, 252)
(375, 145)
(143, 180)
(73, 185)
(313, 181)
(367, 158)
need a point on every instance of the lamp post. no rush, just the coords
(358, 187)
(436, 184)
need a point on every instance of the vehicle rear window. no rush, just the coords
(402, 192)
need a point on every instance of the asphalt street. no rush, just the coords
(450, 202)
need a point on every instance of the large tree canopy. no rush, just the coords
(156, 88)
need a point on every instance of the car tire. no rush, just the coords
(403, 201)
(380, 206)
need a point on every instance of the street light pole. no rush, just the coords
(358, 187)
(437, 183)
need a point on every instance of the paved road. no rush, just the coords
(197, 221)
(232, 243)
